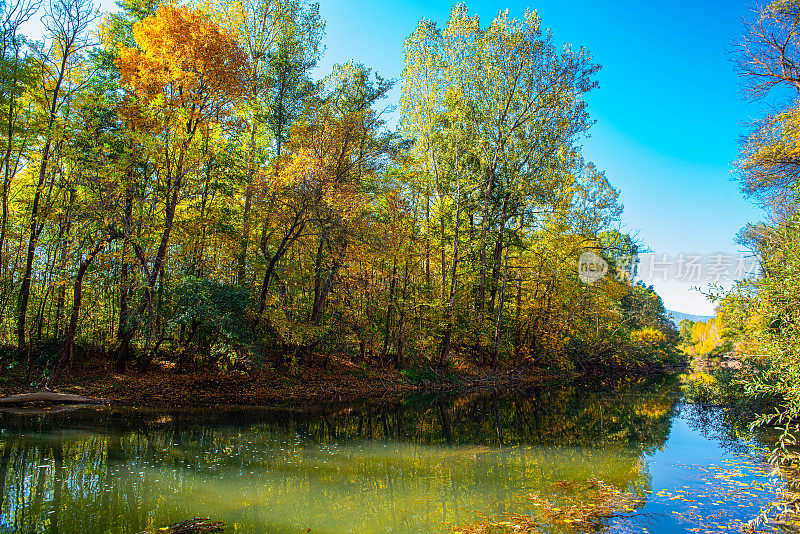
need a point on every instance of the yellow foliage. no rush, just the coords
(184, 60)
(648, 337)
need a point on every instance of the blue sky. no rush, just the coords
(669, 110)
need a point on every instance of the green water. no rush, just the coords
(421, 465)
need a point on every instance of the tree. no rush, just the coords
(767, 58)
(685, 328)
(493, 113)
(16, 79)
(67, 23)
(334, 154)
(182, 76)
(281, 39)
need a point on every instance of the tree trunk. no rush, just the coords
(389, 308)
(248, 200)
(8, 175)
(172, 197)
(322, 288)
(445, 354)
(517, 315)
(295, 230)
(121, 355)
(67, 347)
(487, 197)
(34, 229)
(496, 351)
(398, 361)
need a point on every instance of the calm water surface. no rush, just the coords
(422, 465)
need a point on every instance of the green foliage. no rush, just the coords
(685, 330)
(215, 309)
(419, 375)
(188, 185)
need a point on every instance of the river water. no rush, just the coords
(426, 464)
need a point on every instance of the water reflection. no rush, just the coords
(419, 465)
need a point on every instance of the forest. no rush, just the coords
(292, 299)
(177, 187)
(757, 323)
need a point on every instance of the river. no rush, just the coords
(424, 464)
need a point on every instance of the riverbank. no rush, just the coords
(322, 380)
(334, 380)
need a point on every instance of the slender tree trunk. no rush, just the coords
(123, 327)
(496, 352)
(398, 362)
(34, 228)
(389, 308)
(48, 275)
(66, 228)
(67, 348)
(497, 257)
(295, 230)
(487, 197)
(172, 198)
(427, 235)
(11, 120)
(323, 285)
(33, 238)
(498, 254)
(248, 200)
(517, 315)
(199, 249)
(445, 354)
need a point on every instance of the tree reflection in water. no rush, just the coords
(418, 465)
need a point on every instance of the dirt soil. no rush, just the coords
(338, 381)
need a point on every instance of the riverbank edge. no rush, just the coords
(334, 381)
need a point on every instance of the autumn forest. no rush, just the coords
(178, 187)
(239, 286)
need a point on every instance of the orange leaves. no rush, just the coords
(185, 59)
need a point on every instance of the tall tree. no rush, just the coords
(60, 59)
(281, 39)
(184, 73)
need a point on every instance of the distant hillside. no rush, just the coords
(677, 317)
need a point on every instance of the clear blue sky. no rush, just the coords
(669, 110)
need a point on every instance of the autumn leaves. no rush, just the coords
(222, 169)
(186, 60)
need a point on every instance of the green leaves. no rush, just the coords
(219, 308)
